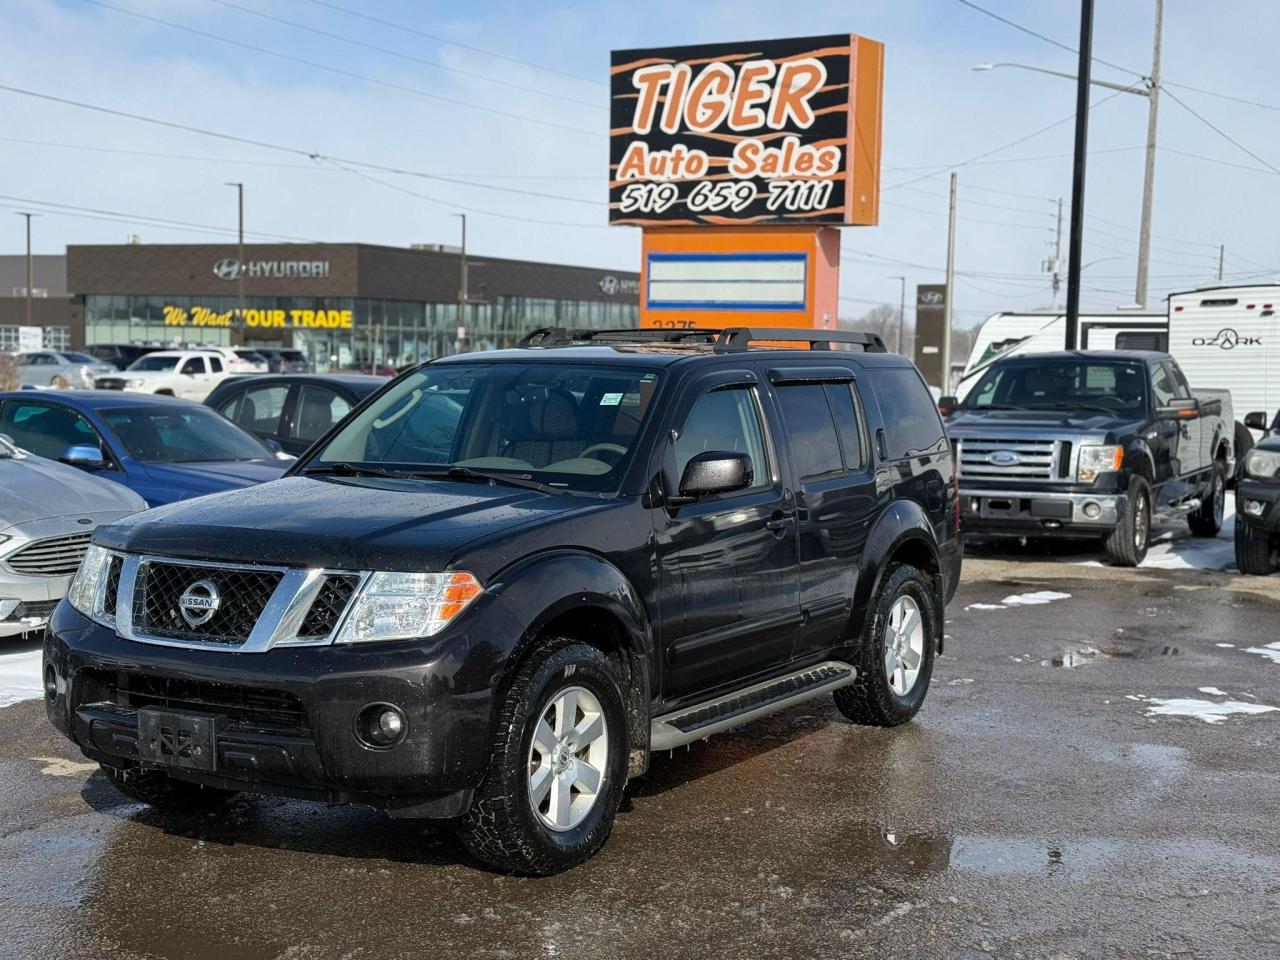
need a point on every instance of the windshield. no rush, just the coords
(571, 426)
(153, 362)
(78, 358)
(1062, 385)
(155, 435)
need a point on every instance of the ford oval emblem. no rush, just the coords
(1003, 458)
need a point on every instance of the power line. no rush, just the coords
(1220, 96)
(525, 88)
(454, 43)
(280, 148)
(1041, 36)
(266, 51)
(1220, 132)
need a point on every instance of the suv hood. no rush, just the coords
(974, 422)
(345, 523)
(37, 489)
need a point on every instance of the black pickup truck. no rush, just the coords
(1090, 445)
(505, 579)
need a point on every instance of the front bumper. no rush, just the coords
(1022, 513)
(287, 716)
(1258, 505)
(26, 602)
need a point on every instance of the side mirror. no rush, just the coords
(1257, 420)
(712, 472)
(947, 405)
(1179, 410)
(84, 455)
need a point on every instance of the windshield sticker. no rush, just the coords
(610, 399)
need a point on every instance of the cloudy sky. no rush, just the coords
(512, 97)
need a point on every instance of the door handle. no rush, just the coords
(780, 521)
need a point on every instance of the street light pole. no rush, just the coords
(31, 273)
(1076, 240)
(951, 284)
(462, 279)
(902, 312)
(240, 255)
(1148, 182)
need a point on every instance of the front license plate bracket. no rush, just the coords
(188, 741)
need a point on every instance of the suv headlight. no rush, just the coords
(136, 382)
(1096, 459)
(404, 606)
(1262, 465)
(90, 582)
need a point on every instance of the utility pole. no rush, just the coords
(902, 312)
(951, 285)
(1148, 181)
(462, 281)
(31, 273)
(240, 255)
(1057, 257)
(1076, 241)
(1222, 252)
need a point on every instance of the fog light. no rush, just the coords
(7, 607)
(1092, 510)
(1254, 508)
(381, 725)
(50, 682)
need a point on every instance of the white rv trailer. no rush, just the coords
(1010, 334)
(1229, 338)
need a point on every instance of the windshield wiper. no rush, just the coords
(467, 475)
(350, 470)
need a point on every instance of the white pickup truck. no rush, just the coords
(191, 374)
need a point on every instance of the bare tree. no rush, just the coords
(8, 371)
(881, 320)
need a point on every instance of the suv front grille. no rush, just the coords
(245, 708)
(328, 606)
(243, 595)
(52, 557)
(108, 383)
(1010, 458)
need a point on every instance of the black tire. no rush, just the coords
(871, 699)
(1253, 550)
(502, 829)
(1126, 545)
(158, 789)
(1206, 520)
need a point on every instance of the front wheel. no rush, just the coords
(558, 768)
(1126, 545)
(898, 641)
(1206, 521)
(1253, 550)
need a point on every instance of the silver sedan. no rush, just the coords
(48, 512)
(59, 368)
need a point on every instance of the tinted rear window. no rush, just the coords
(911, 422)
(811, 432)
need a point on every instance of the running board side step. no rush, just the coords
(742, 706)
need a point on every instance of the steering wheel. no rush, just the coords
(613, 448)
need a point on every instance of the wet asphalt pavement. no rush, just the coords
(1034, 809)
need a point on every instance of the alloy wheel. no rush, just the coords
(568, 757)
(903, 645)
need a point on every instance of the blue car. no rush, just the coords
(162, 448)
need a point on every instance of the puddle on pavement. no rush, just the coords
(1120, 648)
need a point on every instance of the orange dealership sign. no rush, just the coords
(775, 131)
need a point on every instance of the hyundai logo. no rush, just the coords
(199, 602)
(227, 269)
(1227, 339)
(1003, 458)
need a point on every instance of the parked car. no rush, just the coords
(237, 359)
(294, 409)
(47, 515)
(162, 448)
(59, 368)
(492, 609)
(283, 360)
(1257, 530)
(1091, 445)
(119, 355)
(190, 374)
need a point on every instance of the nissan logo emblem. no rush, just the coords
(199, 602)
(227, 269)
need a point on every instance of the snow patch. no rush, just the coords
(1271, 651)
(985, 606)
(20, 677)
(1213, 691)
(1034, 599)
(1205, 710)
(1224, 644)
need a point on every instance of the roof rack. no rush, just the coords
(726, 340)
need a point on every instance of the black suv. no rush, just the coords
(1258, 501)
(506, 578)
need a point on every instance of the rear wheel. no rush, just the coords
(1126, 545)
(1206, 521)
(558, 768)
(1253, 550)
(898, 641)
(158, 789)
